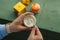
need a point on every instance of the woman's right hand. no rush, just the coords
(35, 34)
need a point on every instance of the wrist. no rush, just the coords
(8, 28)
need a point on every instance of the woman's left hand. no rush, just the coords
(17, 24)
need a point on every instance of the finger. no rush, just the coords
(37, 31)
(25, 14)
(22, 16)
(38, 38)
(19, 19)
(24, 27)
(32, 32)
(28, 13)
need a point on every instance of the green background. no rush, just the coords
(47, 18)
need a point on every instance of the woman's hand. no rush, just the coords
(35, 34)
(17, 24)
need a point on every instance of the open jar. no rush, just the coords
(29, 21)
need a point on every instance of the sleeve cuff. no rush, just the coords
(3, 32)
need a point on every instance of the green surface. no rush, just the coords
(47, 18)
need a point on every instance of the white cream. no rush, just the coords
(29, 21)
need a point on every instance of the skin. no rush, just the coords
(35, 34)
(17, 25)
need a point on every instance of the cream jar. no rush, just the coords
(29, 21)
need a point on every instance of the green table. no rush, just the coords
(47, 18)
